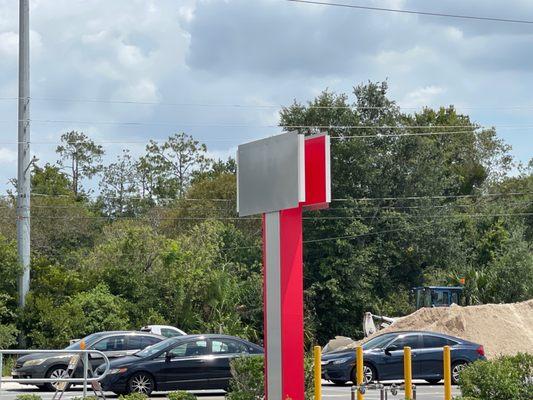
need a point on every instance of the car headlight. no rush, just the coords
(116, 371)
(38, 361)
(341, 360)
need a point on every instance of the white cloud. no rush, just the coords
(423, 96)
(7, 156)
(9, 42)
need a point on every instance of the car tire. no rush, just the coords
(433, 381)
(338, 382)
(141, 382)
(456, 368)
(369, 374)
(55, 372)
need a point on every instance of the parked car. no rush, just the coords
(163, 330)
(113, 344)
(383, 357)
(184, 363)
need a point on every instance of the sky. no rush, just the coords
(126, 71)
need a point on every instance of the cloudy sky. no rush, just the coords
(184, 64)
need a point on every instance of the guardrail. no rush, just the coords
(85, 363)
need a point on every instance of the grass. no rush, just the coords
(7, 365)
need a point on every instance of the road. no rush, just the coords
(11, 390)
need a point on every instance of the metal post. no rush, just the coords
(407, 372)
(353, 389)
(318, 373)
(447, 373)
(23, 174)
(414, 392)
(382, 393)
(85, 369)
(359, 371)
(1, 369)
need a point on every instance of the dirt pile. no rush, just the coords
(503, 329)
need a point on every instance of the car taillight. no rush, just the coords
(481, 351)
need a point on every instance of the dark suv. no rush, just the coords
(113, 344)
(383, 357)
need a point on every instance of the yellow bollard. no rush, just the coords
(407, 373)
(447, 373)
(359, 370)
(82, 345)
(318, 372)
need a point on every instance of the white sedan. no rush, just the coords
(163, 330)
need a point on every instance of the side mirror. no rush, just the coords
(168, 357)
(390, 348)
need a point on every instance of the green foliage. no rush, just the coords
(247, 382)
(181, 395)
(500, 379)
(133, 396)
(28, 397)
(48, 324)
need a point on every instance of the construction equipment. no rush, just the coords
(423, 296)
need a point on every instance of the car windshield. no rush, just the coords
(88, 341)
(155, 348)
(379, 342)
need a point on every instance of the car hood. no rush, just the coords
(124, 361)
(348, 353)
(36, 356)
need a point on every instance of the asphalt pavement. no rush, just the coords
(10, 390)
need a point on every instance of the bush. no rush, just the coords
(133, 396)
(28, 397)
(247, 379)
(181, 395)
(247, 382)
(500, 379)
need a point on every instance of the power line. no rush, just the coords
(268, 106)
(360, 199)
(431, 14)
(115, 142)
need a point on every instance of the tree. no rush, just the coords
(80, 156)
(380, 248)
(118, 187)
(173, 164)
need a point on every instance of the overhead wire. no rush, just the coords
(416, 12)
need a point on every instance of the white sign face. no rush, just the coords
(270, 174)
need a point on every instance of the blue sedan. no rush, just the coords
(183, 362)
(383, 357)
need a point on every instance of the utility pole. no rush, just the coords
(23, 173)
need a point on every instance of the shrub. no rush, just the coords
(133, 396)
(28, 397)
(181, 395)
(501, 379)
(247, 381)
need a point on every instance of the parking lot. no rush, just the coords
(11, 390)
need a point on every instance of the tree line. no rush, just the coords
(158, 240)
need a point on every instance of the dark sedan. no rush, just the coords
(383, 357)
(184, 363)
(113, 344)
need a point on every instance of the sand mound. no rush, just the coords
(503, 329)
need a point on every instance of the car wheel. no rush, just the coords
(369, 374)
(59, 371)
(339, 383)
(456, 369)
(141, 383)
(433, 381)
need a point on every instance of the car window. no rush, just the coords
(227, 346)
(112, 343)
(431, 341)
(170, 332)
(134, 342)
(148, 341)
(190, 349)
(379, 341)
(407, 340)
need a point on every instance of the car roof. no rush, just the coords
(129, 333)
(440, 287)
(444, 335)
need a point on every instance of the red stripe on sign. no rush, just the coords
(292, 321)
(264, 306)
(316, 164)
